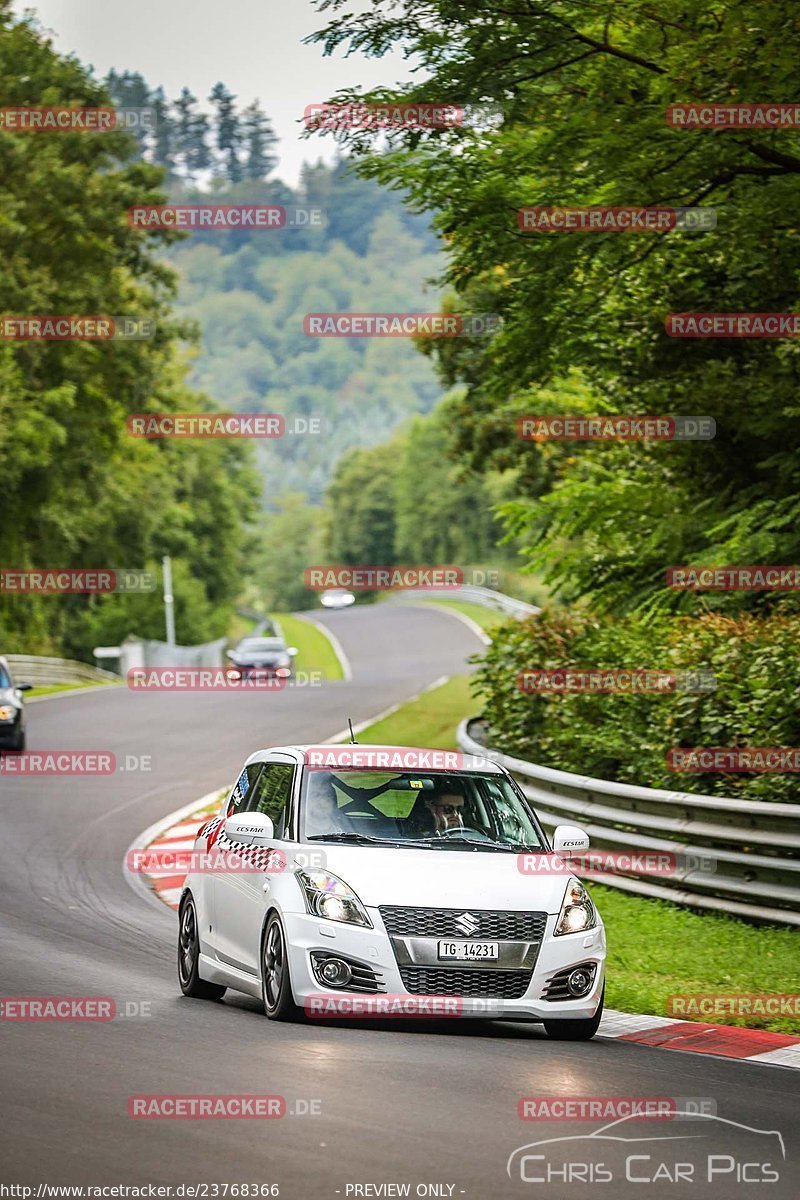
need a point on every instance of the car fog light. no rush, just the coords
(336, 972)
(580, 981)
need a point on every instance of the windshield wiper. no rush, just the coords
(343, 837)
(365, 839)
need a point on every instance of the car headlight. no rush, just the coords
(330, 897)
(577, 911)
(7, 712)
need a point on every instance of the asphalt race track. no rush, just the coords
(421, 1103)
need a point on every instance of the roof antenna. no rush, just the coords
(353, 741)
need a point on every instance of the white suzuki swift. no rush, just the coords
(385, 880)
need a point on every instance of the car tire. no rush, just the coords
(189, 956)
(276, 985)
(576, 1031)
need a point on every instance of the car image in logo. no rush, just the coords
(695, 1147)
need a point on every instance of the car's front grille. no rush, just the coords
(556, 986)
(499, 926)
(454, 981)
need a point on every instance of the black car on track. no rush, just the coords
(12, 710)
(265, 656)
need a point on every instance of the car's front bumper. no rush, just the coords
(10, 732)
(374, 949)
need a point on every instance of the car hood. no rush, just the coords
(9, 696)
(439, 878)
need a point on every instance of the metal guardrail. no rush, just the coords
(477, 595)
(29, 668)
(735, 856)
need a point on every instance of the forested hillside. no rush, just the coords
(249, 292)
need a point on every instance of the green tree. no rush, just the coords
(583, 93)
(259, 140)
(78, 490)
(361, 497)
(228, 132)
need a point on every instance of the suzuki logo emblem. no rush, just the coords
(467, 924)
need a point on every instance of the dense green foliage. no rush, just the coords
(77, 490)
(627, 736)
(582, 94)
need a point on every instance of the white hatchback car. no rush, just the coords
(369, 879)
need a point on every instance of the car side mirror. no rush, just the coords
(24, 687)
(249, 828)
(292, 650)
(570, 838)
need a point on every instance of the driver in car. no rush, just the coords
(446, 808)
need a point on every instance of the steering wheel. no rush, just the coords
(461, 831)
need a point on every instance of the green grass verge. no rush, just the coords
(315, 650)
(655, 949)
(54, 688)
(428, 721)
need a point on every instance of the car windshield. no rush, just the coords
(436, 810)
(5, 682)
(261, 644)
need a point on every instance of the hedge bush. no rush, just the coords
(625, 737)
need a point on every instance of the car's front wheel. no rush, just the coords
(189, 956)
(276, 987)
(576, 1031)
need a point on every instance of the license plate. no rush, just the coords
(468, 951)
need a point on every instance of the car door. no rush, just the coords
(239, 896)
